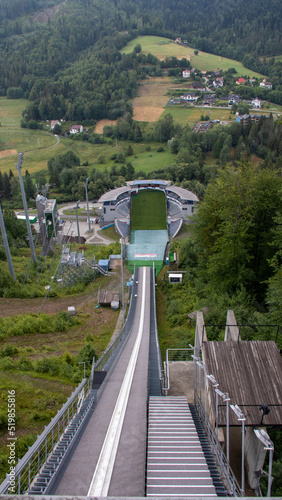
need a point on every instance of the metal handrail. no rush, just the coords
(112, 346)
(227, 476)
(188, 349)
(32, 462)
(161, 374)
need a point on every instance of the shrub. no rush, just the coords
(7, 364)
(86, 353)
(8, 350)
(3, 420)
(24, 365)
(48, 365)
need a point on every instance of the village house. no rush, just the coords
(209, 99)
(233, 99)
(197, 85)
(186, 73)
(189, 97)
(218, 82)
(240, 81)
(266, 84)
(54, 122)
(246, 119)
(256, 103)
(76, 129)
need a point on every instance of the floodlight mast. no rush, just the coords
(77, 223)
(87, 204)
(6, 246)
(18, 167)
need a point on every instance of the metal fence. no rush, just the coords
(102, 361)
(182, 354)
(227, 476)
(20, 481)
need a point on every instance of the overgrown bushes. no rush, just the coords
(32, 324)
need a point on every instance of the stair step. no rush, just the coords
(176, 458)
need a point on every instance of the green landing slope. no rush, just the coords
(149, 236)
(148, 210)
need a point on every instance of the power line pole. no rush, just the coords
(88, 216)
(6, 245)
(18, 167)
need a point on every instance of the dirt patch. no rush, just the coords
(100, 125)
(10, 307)
(147, 113)
(8, 152)
(152, 98)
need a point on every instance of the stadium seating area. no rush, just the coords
(122, 227)
(174, 227)
(122, 208)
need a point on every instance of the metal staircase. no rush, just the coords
(44, 480)
(179, 461)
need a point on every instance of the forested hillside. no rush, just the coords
(64, 56)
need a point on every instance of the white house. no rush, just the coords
(189, 97)
(265, 84)
(218, 82)
(256, 103)
(186, 73)
(76, 129)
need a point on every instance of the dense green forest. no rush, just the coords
(64, 56)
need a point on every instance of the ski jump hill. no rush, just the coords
(147, 214)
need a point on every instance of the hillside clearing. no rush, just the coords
(164, 47)
(101, 124)
(152, 98)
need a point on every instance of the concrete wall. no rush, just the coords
(231, 329)
(200, 333)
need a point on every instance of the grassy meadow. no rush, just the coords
(192, 115)
(164, 47)
(40, 146)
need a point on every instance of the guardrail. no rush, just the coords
(111, 347)
(21, 479)
(182, 354)
(227, 476)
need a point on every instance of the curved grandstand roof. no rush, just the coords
(150, 183)
(114, 194)
(184, 194)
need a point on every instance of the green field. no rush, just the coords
(13, 137)
(192, 115)
(148, 210)
(153, 160)
(164, 47)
